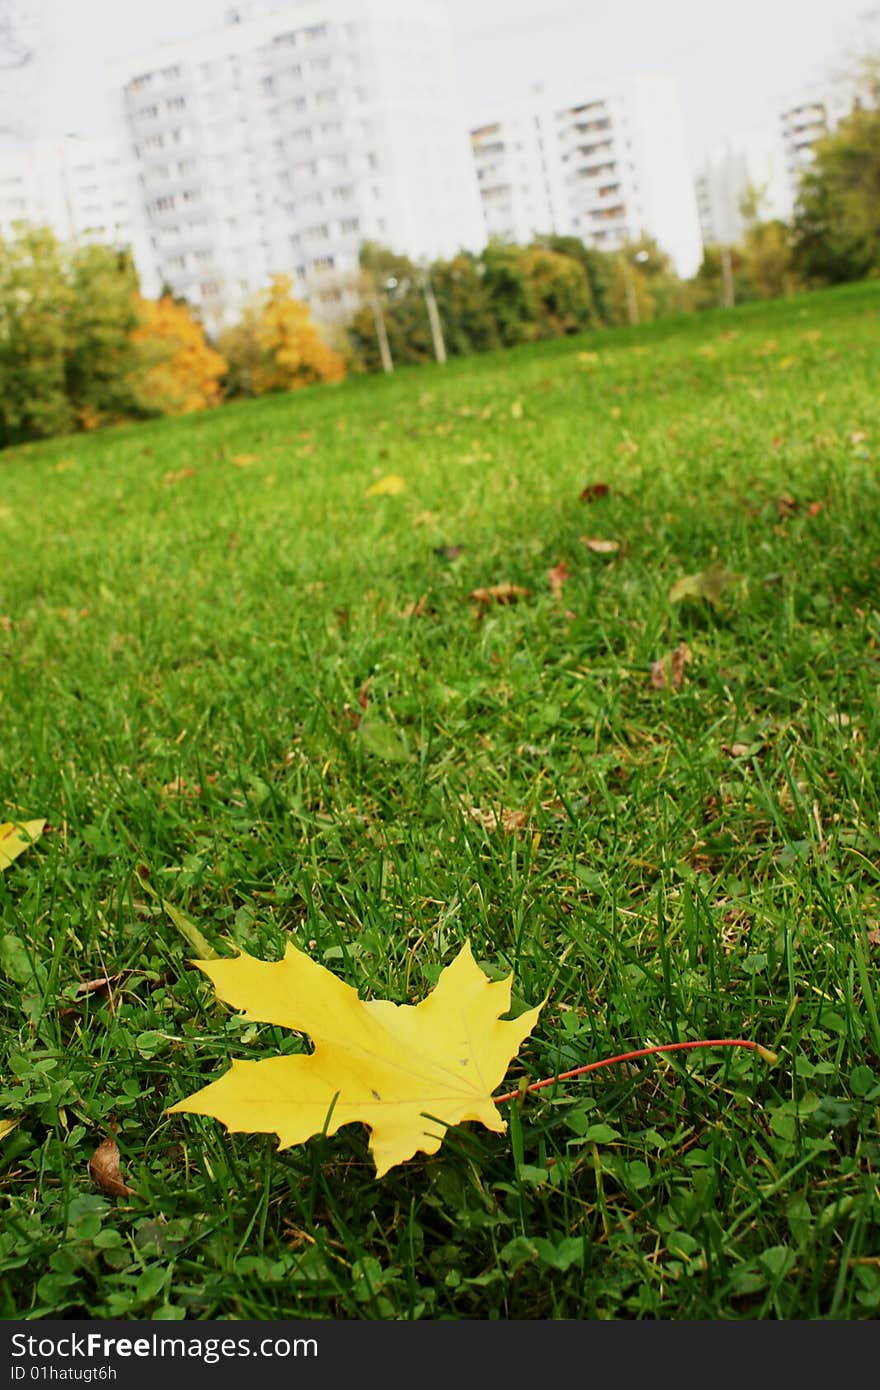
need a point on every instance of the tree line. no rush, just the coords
(80, 347)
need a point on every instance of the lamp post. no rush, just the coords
(632, 302)
(434, 318)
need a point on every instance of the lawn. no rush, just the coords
(237, 682)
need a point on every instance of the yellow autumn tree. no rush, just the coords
(178, 370)
(277, 346)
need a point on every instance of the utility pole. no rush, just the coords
(727, 294)
(381, 332)
(632, 303)
(434, 320)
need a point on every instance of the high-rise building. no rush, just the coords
(804, 119)
(742, 180)
(80, 188)
(283, 141)
(605, 163)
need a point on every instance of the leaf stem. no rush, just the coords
(768, 1056)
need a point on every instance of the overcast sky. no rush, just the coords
(732, 60)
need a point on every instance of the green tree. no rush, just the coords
(390, 287)
(837, 219)
(598, 267)
(36, 302)
(536, 293)
(99, 353)
(465, 305)
(767, 269)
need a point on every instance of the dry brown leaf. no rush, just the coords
(593, 491)
(104, 1169)
(509, 821)
(180, 787)
(874, 936)
(415, 610)
(786, 505)
(669, 670)
(557, 576)
(5, 623)
(244, 460)
(498, 593)
(600, 547)
(176, 475)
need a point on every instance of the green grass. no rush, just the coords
(187, 642)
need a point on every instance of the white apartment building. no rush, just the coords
(80, 188)
(804, 119)
(748, 166)
(281, 142)
(605, 163)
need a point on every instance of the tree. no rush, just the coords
(176, 371)
(277, 346)
(100, 355)
(837, 219)
(393, 300)
(465, 305)
(536, 293)
(767, 268)
(36, 301)
(598, 267)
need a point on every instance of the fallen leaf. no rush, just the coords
(15, 839)
(593, 491)
(669, 670)
(498, 593)
(600, 547)
(176, 475)
(244, 460)
(389, 486)
(815, 508)
(874, 936)
(416, 609)
(736, 750)
(509, 821)
(7, 1126)
(557, 576)
(708, 585)
(408, 1072)
(786, 505)
(103, 984)
(104, 1169)
(5, 623)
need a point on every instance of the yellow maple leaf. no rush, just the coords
(15, 838)
(407, 1071)
(389, 486)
